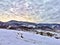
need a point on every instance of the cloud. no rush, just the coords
(38, 10)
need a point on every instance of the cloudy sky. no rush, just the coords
(40, 11)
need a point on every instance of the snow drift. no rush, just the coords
(13, 37)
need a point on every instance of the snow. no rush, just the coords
(13, 37)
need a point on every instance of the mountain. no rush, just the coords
(28, 25)
(53, 26)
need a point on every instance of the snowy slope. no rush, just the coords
(10, 37)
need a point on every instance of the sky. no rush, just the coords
(39, 11)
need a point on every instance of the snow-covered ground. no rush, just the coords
(12, 37)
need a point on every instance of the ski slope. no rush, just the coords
(12, 37)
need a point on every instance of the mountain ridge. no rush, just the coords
(29, 25)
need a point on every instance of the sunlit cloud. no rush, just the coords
(40, 11)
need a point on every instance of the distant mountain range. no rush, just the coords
(28, 25)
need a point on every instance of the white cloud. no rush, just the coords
(45, 10)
